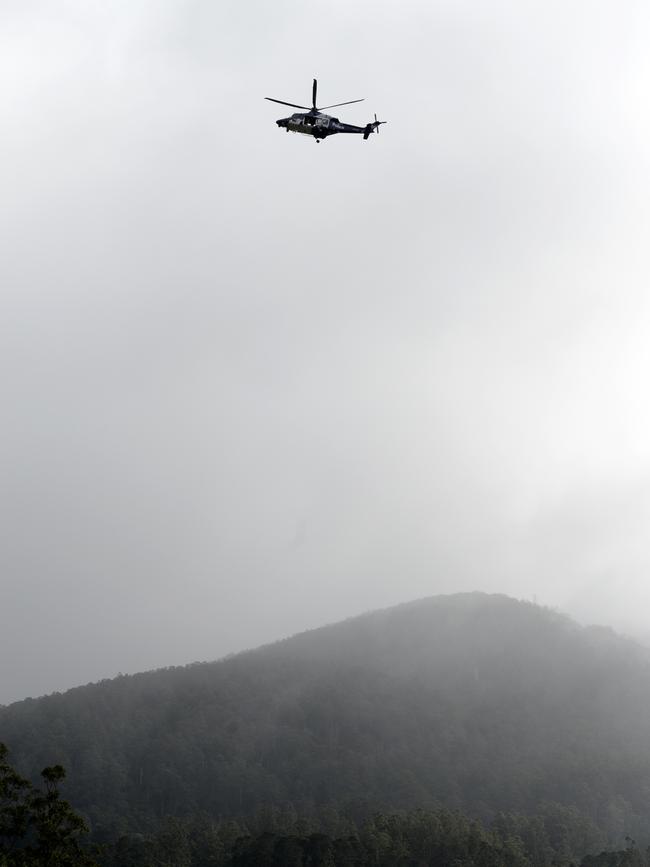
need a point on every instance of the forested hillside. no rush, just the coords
(471, 702)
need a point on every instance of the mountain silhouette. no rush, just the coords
(471, 701)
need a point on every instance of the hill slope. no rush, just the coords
(471, 701)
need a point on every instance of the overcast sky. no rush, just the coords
(251, 385)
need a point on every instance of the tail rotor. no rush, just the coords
(372, 127)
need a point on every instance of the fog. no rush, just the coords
(251, 385)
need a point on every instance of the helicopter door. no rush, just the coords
(323, 122)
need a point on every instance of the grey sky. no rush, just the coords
(251, 385)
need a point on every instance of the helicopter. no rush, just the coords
(319, 125)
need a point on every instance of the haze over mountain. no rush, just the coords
(468, 701)
(251, 384)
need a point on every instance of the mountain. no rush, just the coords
(470, 701)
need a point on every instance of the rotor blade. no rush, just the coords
(313, 95)
(292, 104)
(336, 105)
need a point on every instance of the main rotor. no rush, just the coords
(313, 109)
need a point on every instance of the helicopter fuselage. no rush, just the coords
(318, 125)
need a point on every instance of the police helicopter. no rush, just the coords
(319, 125)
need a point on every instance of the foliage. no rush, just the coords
(420, 838)
(37, 827)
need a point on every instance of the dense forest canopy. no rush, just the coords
(468, 702)
(40, 829)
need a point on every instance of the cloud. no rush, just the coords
(254, 385)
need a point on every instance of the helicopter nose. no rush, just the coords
(281, 122)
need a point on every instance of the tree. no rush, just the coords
(13, 809)
(37, 827)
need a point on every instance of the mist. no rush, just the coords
(251, 385)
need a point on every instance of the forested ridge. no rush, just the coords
(471, 703)
(38, 828)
